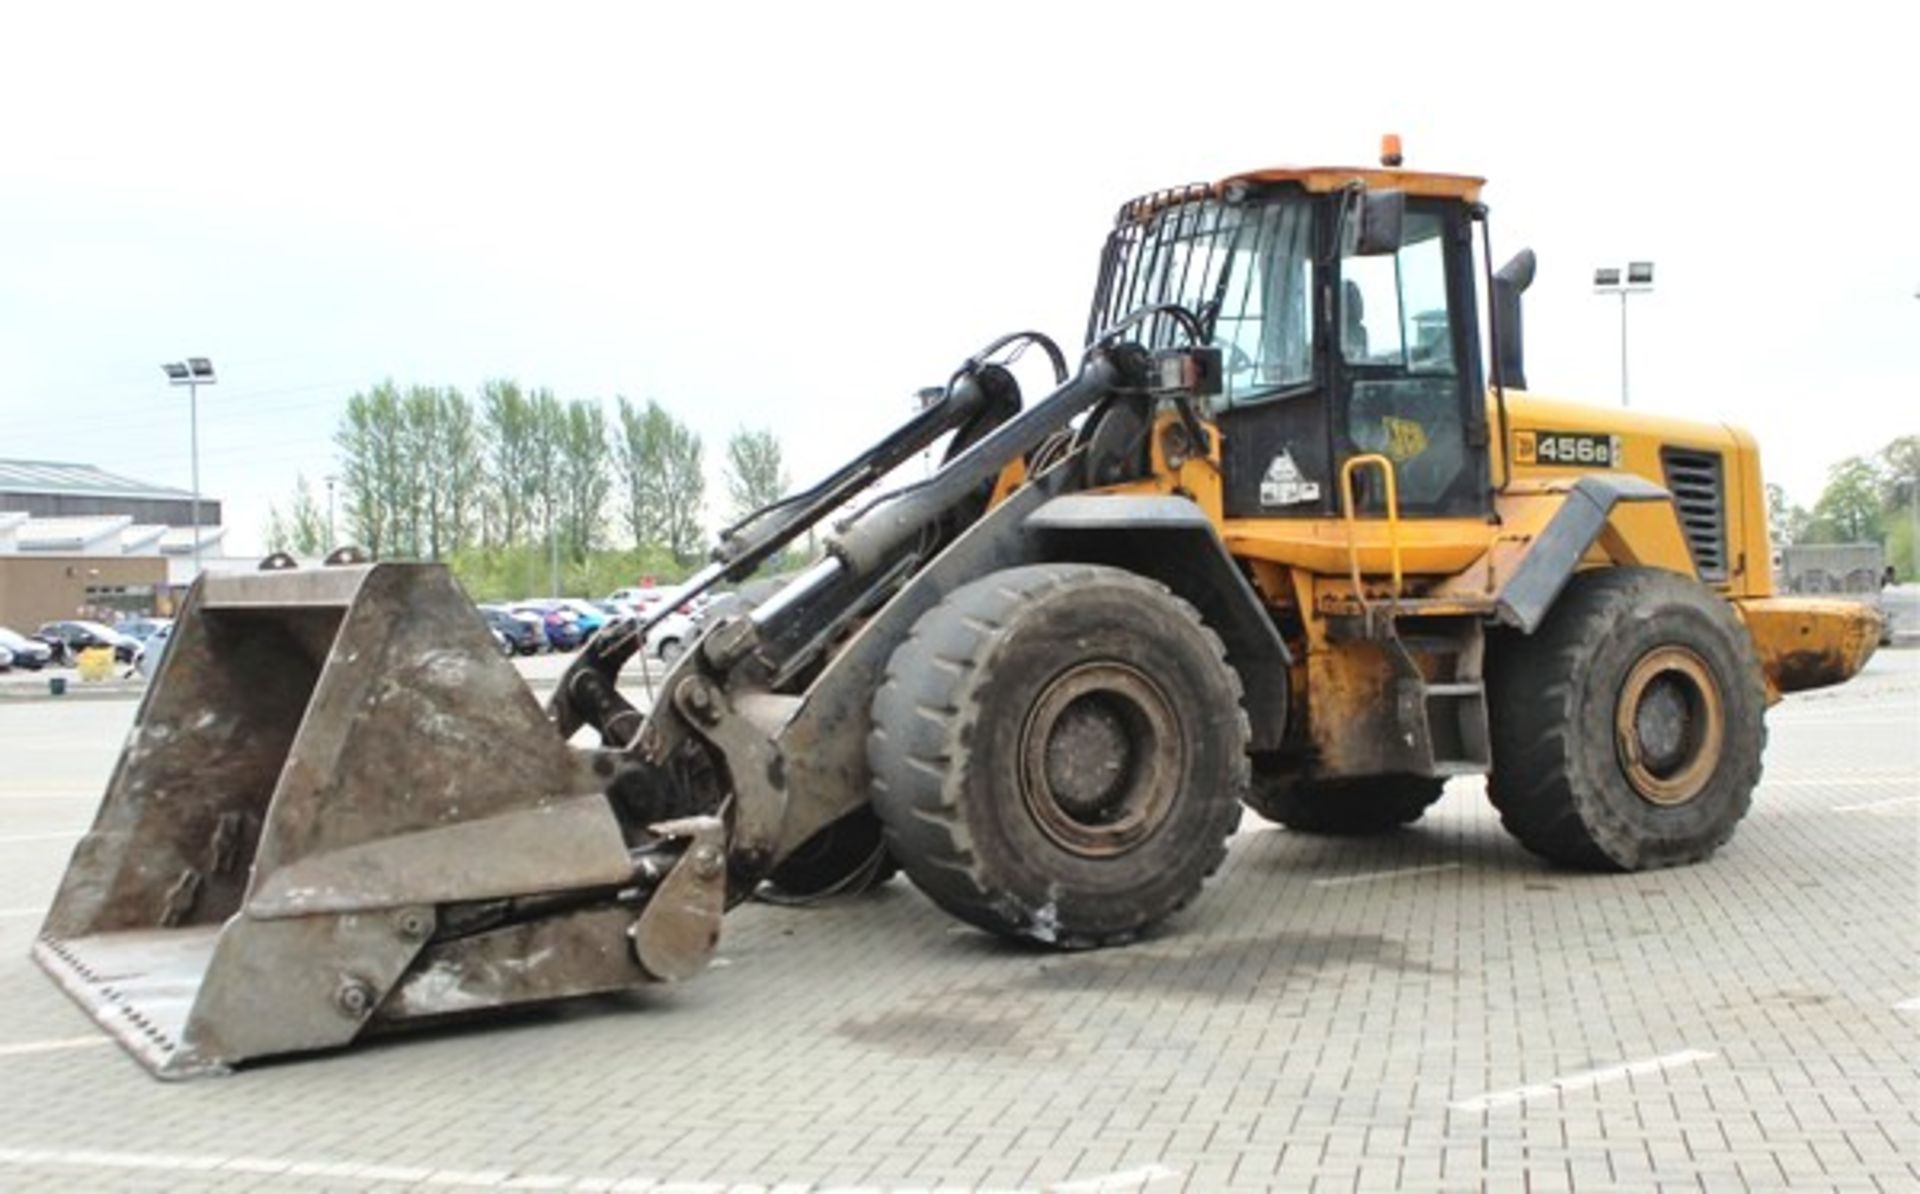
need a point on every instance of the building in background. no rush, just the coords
(78, 541)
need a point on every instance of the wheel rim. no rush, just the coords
(1670, 723)
(1101, 757)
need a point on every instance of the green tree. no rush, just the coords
(507, 481)
(755, 477)
(462, 470)
(437, 494)
(302, 530)
(1787, 521)
(662, 470)
(546, 451)
(1899, 468)
(1849, 507)
(584, 478)
(373, 469)
(1900, 495)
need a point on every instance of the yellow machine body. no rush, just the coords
(1261, 551)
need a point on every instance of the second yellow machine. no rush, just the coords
(1288, 536)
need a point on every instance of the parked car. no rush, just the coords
(671, 636)
(28, 653)
(141, 628)
(79, 635)
(154, 650)
(647, 599)
(6, 660)
(586, 614)
(557, 621)
(501, 642)
(524, 632)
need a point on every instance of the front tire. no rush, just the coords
(1057, 754)
(1627, 732)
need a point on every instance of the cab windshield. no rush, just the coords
(1246, 270)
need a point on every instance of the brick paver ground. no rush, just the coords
(1431, 1011)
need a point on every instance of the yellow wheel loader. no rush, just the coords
(1284, 537)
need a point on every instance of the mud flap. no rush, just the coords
(339, 806)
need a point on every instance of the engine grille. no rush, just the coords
(1694, 479)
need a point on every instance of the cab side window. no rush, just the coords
(1393, 309)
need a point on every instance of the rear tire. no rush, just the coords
(1627, 731)
(1358, 807)
(1057, 753)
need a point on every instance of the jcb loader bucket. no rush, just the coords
(338, 808)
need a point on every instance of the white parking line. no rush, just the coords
(1906, 780)
(1876, 805)
(41, 837)
(1822, 722)
(1580, 1081)
(1908, 1005)
(1126, 1179)
(347, 1170)
(72, 1042)
(357, 1173)
(1377, 876)
(1854, 775)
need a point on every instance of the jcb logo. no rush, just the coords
(1405, 438)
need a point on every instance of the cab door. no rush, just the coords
(1407, 371)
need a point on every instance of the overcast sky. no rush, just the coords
(793, 215)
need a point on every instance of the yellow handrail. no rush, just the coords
(1375, 460)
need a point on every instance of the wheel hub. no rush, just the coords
(1670, 724)
(1100, 759)
(1089, 758)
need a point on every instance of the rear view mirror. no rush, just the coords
(1374, 223)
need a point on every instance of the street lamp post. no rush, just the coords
(330, 533)
(1638, 279)
(193, 373)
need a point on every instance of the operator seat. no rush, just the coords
(1353, 322)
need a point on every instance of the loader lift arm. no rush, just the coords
(711, 745)
(869, 552)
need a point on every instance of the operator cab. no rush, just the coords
(1342, 303)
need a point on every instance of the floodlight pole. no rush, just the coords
(330, 479)
(190, 373)
(1637, 278)
(193, 432)
(1623, 349)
